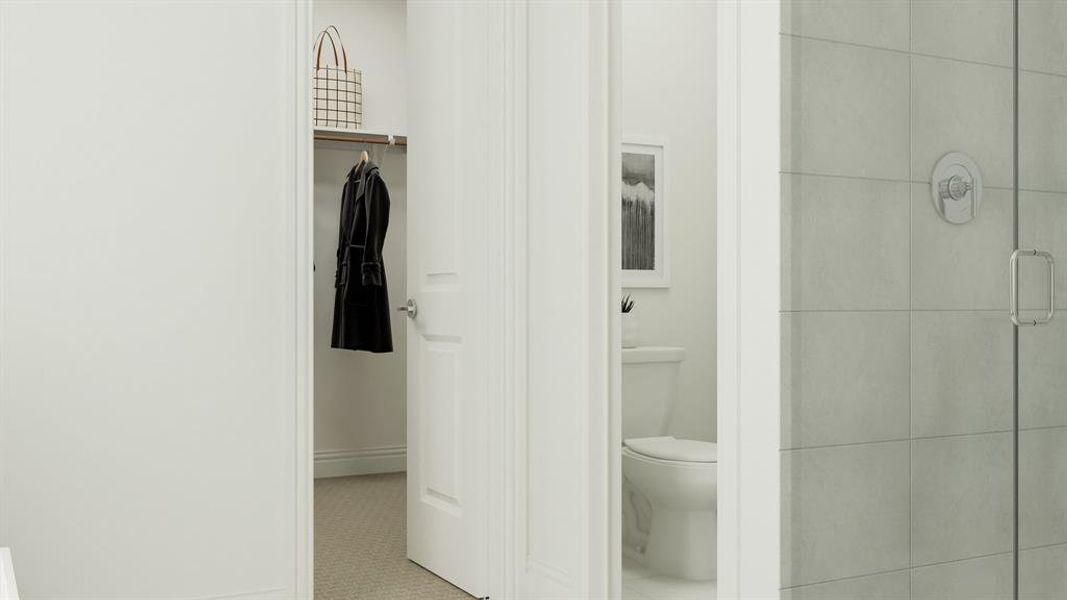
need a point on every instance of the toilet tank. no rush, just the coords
(649, 389)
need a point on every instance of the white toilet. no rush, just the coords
(675, 478)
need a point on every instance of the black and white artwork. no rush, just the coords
(644, 260)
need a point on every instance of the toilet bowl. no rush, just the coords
(669, 484)
(678, 478)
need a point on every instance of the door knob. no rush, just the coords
(410, 308)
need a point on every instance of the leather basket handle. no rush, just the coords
(323, 35)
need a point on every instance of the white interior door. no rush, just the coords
(447, 278)
(148, 197)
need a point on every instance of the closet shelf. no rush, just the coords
(330, 134)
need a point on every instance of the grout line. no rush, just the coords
(912, 181)
(915, 567)
(1045, 73)
(1039, 191)
(905, 180)
(1043, 546)
(986, 311)
(924, 438)
(946, 436)
(959, 560)
(991, 311)
(851, 177)
(849, 578)
(909, 52)
(904, 570)
(1044, 428)
(911, 42)
(911, 300)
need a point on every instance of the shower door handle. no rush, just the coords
(1013, 300)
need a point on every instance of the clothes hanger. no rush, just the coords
(363, 158)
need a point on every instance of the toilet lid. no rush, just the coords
(669, 448)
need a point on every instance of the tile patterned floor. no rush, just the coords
(359, 550)
(360, 543)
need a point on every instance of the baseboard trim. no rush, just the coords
(344, 463)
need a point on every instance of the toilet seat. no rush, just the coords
(673, 449)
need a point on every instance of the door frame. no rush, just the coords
(508, 241)
(749, 297)
(505, 250)
(303, 301)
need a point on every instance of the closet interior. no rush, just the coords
(360, 420)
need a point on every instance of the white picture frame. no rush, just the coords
(645, 188)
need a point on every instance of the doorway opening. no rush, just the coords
(399, 437)
(666, 223)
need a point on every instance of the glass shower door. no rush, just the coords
(1041, 296)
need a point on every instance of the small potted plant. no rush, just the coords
(629, 323)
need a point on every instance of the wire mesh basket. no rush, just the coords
(338, 90)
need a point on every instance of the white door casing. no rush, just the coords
(448, 381)
(152, 191)
(560, 157)
(749, 271)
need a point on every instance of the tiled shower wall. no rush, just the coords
(897, 352)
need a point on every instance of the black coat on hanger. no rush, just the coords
(361, 300)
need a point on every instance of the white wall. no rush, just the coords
(148, 321)
(375, 34)
(668, 92)
(360, 398)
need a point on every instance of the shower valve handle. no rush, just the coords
(954, 188)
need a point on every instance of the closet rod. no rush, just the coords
(363, 138)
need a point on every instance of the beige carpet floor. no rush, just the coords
(359, 543)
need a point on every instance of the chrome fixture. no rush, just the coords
(956, 188)
(410, 308)
(1013, 300)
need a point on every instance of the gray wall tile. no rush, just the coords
(844, 512)
(961, 373)
(988, 23)
(844, 110)
(1042, 487)
(960, 267)
(1042, 131)
(989, 578)
(1043, 375)
(1043, 45)
(885, 586)
(1042, 225)
(961, 497)
(1043, 573)
(844, 243)
(862, 112)
(961, 107)
(881, 23)
(837, 386)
